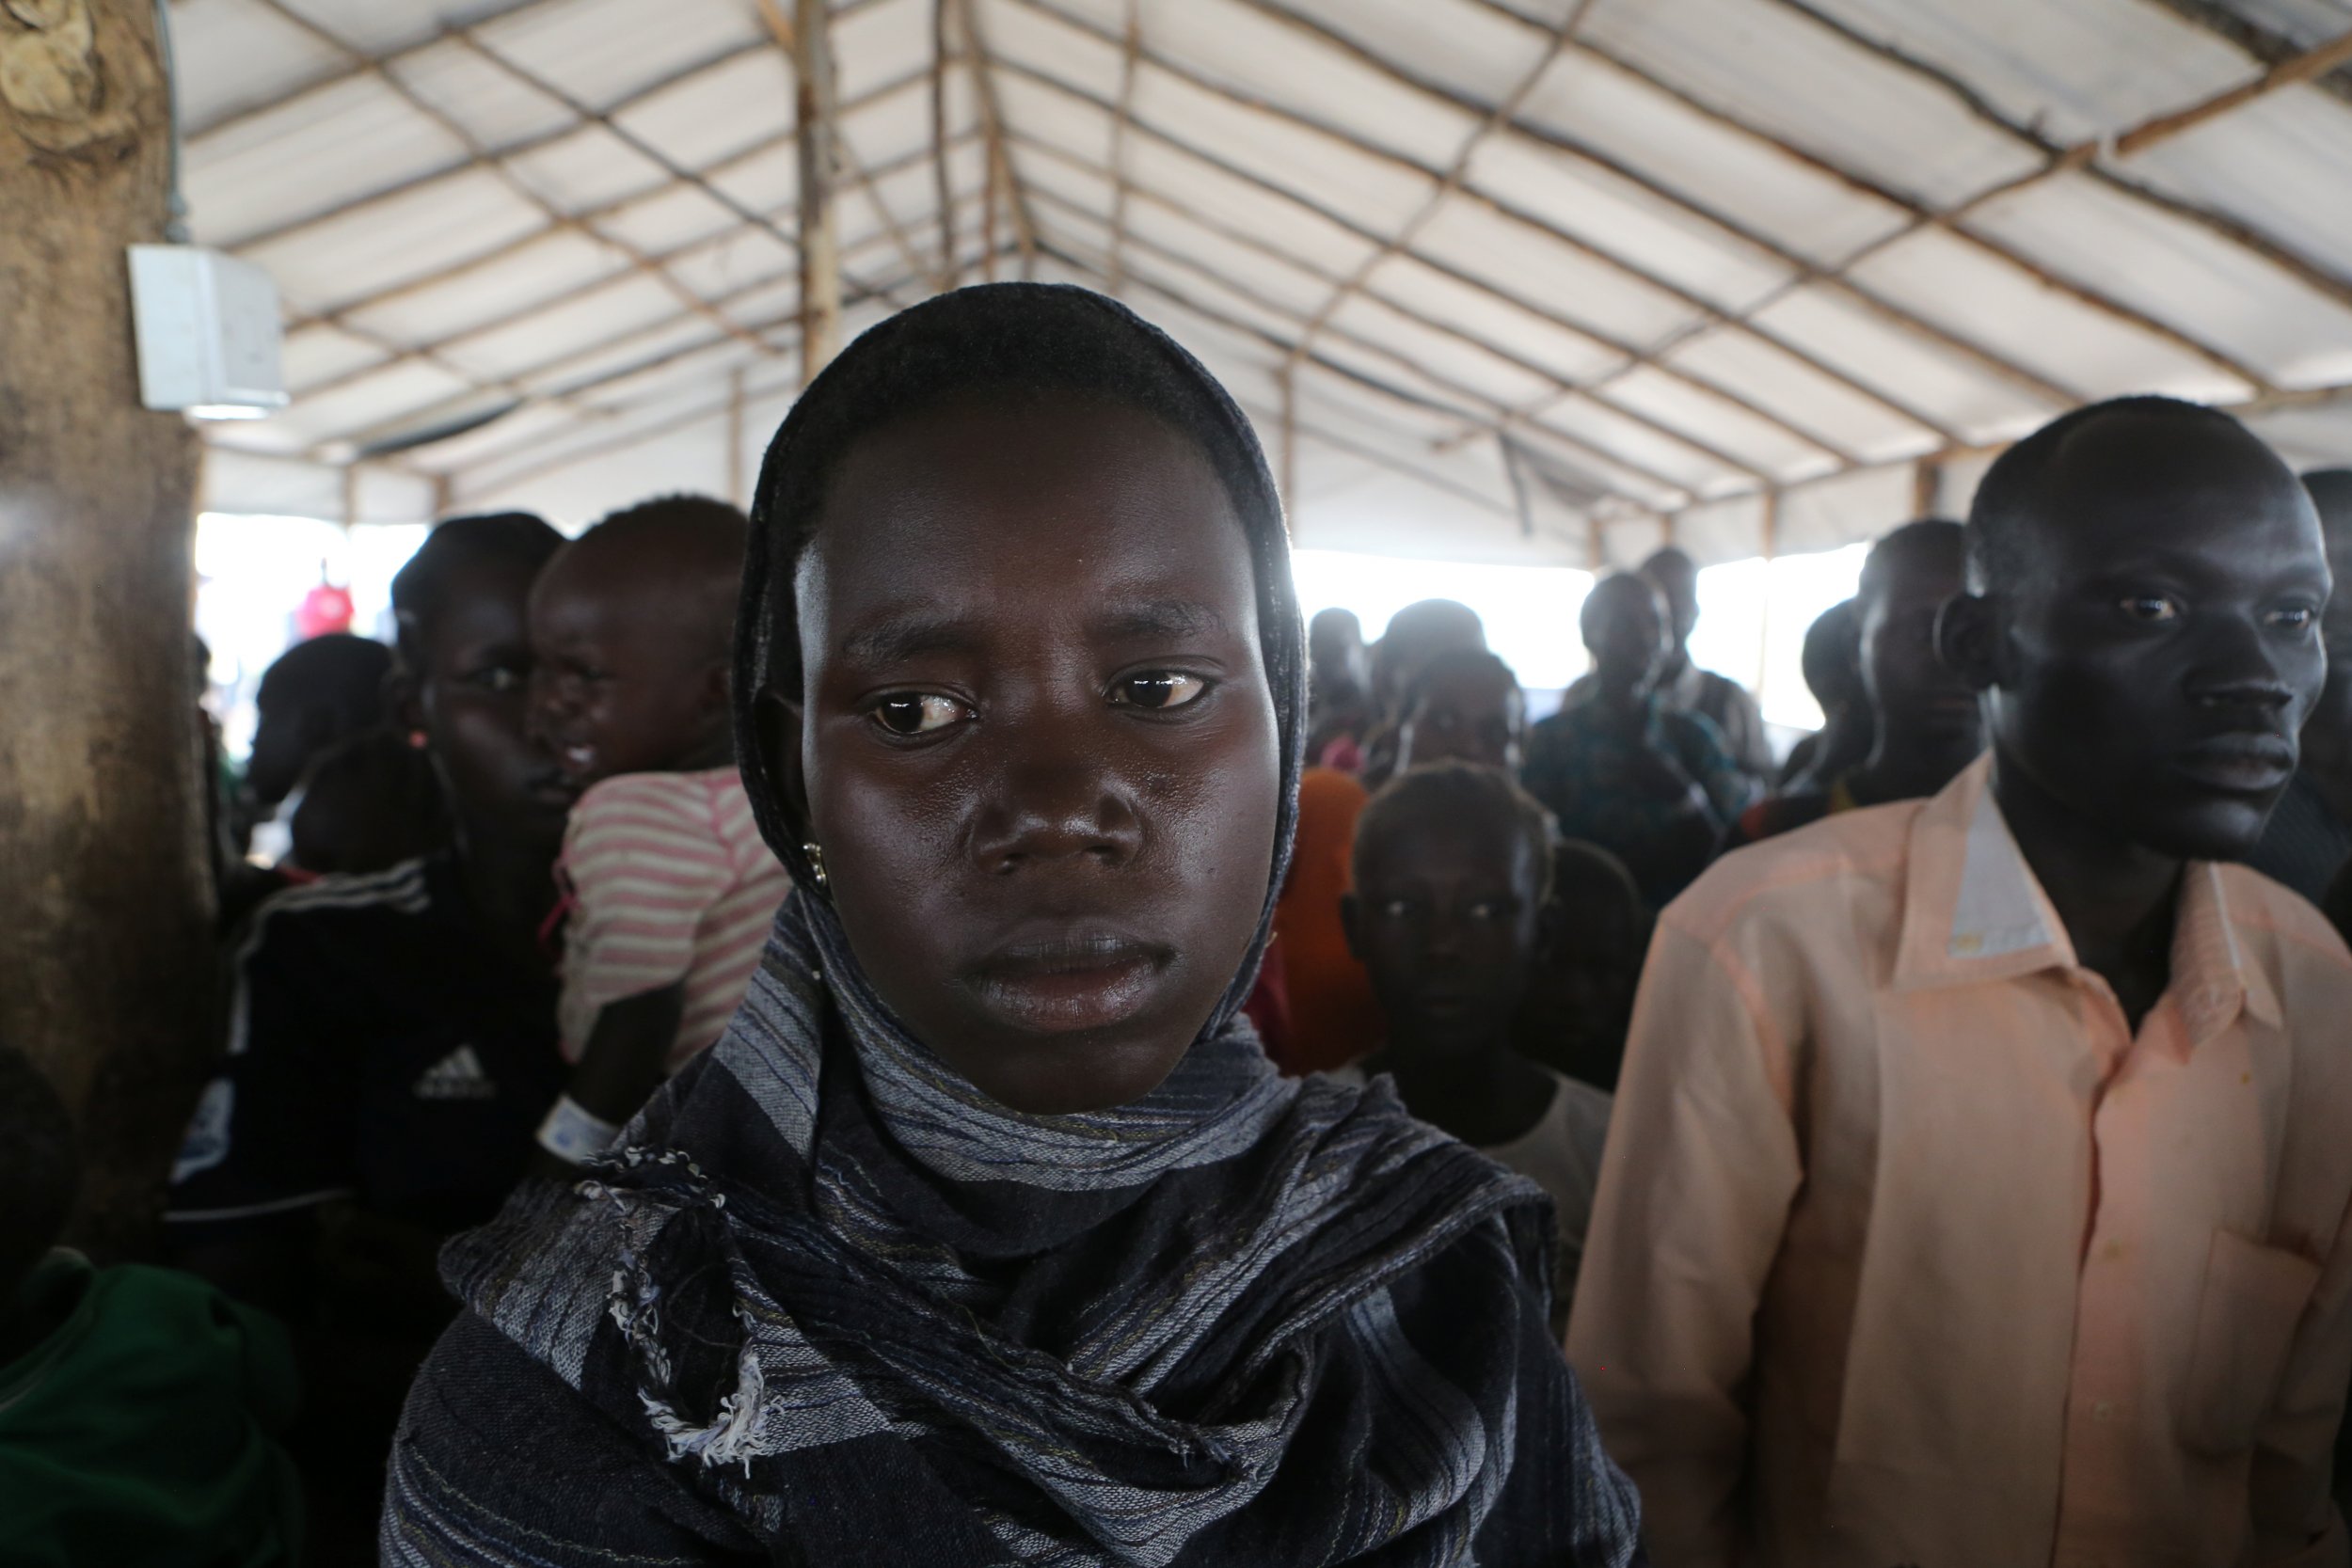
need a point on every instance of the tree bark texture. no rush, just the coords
(106, 896)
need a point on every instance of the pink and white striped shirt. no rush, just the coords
(670, 882)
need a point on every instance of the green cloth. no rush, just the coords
(136, 1429)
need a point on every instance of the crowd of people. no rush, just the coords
(942, 1022)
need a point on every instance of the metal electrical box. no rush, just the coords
(209, 333)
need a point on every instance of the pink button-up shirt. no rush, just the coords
(1907, 1251)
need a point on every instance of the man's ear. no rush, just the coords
(1967, 640)
(777, 721)
(1352, 922)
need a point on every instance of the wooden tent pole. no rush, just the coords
(818, 236)
(106, 938)
(1130, 57)
(943, 184)
(992, 126)
(734, 486)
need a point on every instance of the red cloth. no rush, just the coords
(1334, 1017)
(324, 608)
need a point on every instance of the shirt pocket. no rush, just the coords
(2254, 1297)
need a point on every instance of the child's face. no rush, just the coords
(623, 681)
(2157, 664)
(471, 698)
(1445, 916)
(1038, 746)
(1465, 715)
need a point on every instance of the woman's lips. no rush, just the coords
(1071, 980)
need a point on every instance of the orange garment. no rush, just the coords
(1334, 1017)
(1907, 1250)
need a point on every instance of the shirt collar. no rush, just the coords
(1973, 911)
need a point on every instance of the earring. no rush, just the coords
(816, 853)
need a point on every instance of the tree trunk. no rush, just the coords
(106, 894)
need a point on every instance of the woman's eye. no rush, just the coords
(499, 679)
(917, 712)
(1160, 690)
(2151, 609)
(2295, 618)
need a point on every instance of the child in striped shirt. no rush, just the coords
(672, 889)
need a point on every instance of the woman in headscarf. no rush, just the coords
(987, 1234)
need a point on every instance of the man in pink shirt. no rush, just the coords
(1977, 1187)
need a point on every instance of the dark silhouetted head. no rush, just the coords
(2331, 724)
(1453, 870)
(1831, 659)
(1677, 579)
(1914, 697)
(1414, 635)
(1336, 655)
(1467, 706)
(367, 803)
(2148, 584)
(317, 692)
(461, 606)
(631, 630)
(1625, 631)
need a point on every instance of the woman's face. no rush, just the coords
(470, 697)
(1036, 741)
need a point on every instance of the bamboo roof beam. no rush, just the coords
(2082, 293)
(1713, 313)
(2265, 46)
(1412, 367)
(1888, 400)
(1272, 418)
(2322, 278)
(816, 233)
(1586, 333)
(1516, 361)
(941, 180)
(630, 139)
(1451, 180)
(603, 345)
(248, 113)
(602, 210)
(605, 438)
(780, 29)
(638, 260)
(1387, 388)
(1130, 55)
(992, 127)
(520, 148)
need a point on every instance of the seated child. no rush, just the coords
(671, 890)
(136, 1404)
(1453, 884)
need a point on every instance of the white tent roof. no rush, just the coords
(1511, 280)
